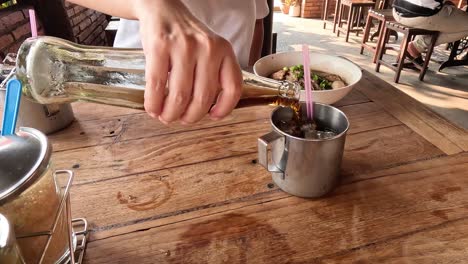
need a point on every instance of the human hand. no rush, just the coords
(199, 67)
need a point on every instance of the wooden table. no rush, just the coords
(458, 47)
(194, 194)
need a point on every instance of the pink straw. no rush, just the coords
(32, 22)
(308, 88)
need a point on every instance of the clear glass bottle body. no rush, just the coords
(55, 71)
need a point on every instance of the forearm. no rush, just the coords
(118, 8)
(257, 42)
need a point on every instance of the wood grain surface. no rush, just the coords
(195, 194)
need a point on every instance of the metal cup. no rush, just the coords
(305, 167)
(45, 118)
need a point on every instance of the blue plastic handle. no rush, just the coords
(12, 103)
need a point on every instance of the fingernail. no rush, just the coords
(152, 115)
(212, 109)
(215, 118)
(163, 121)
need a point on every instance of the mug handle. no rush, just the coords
(263, 143)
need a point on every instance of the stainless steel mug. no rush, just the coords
(305, 167)
(45, 118)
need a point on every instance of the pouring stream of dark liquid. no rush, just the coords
(303, 127)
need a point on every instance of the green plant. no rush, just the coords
(6, 4)
(291, 2)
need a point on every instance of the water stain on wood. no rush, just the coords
(441, 214)
(232, 238)
(220, 172)
(441, 195)
(152, 196)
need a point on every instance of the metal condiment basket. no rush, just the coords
(78, 228)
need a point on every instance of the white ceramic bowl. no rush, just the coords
(342, 67)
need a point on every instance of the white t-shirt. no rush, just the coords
(234, 20)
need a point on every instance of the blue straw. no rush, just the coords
(12, 103)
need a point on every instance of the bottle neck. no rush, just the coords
(255, 85)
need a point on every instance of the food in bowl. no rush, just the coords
(349, 72)
(319, 80)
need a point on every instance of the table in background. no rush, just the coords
(194, 194)
(458, 47)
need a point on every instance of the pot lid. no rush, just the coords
(23, 158)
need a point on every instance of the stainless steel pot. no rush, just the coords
(31, 198)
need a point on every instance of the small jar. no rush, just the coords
(30, 197)
(9, 249)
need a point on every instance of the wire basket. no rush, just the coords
(77, 228)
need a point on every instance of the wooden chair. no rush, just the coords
(381, 16)
(355, 8)
(335, 15)
(409, 34)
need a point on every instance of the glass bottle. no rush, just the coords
(55, 71)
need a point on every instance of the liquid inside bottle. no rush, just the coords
(55, 71)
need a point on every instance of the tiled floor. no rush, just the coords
(444, 92)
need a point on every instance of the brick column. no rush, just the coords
(314, 8)
(88, 25)
(14, 29)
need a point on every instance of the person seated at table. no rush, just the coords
(451, 22)
(195, 46)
